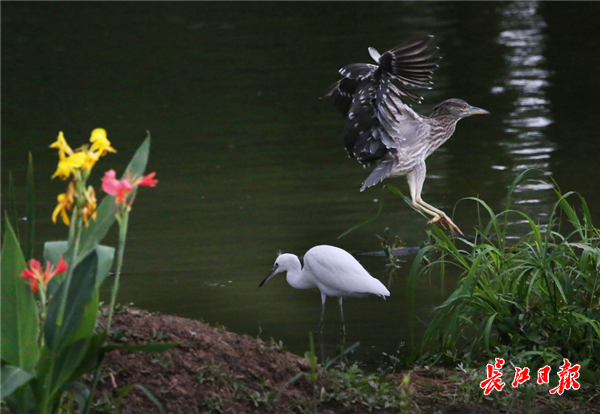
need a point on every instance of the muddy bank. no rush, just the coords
(217, 371)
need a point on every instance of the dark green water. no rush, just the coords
(250, 161)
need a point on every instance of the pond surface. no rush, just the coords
(250, 161)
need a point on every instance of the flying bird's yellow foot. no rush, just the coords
(445, 220)
(454, 228)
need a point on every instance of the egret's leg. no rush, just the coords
(342, 316)
(415, 179)
(322, 321)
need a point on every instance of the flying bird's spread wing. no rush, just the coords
(372, 98)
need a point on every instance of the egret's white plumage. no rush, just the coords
(332, 270)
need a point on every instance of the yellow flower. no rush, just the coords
(89, 209)
(61, 144)
(65, 203)
(90, 159)
(85, 157)
(66, 165)
(100, 143)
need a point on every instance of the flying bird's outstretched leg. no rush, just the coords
(342, 316)
(322, 320)
(415, 179)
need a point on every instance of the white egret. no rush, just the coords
(332, 270)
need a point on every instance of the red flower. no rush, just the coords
(148, 181)
(114, 187)
(35, 275)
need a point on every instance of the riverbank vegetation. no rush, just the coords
(526, 294)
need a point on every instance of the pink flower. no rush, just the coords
(35, 275)
(120, 188)
(114, 187)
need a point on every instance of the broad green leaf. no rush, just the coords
(105, 260)
(80, 393)
(57, 366)
(30, 211)
(12, 378)
(80, 290)
(92, 358)
(149, 347)
(21, 400)
(137, 165)
(98, 228)
(53, 250)
(106, 256)
(19, 320)
(88, 322)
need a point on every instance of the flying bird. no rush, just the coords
(382, 128)
(333, 271)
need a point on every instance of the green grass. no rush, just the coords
(531, 297)
(357, 390)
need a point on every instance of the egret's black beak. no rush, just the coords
(473, 110)
(269, 276)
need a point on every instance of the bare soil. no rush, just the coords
(222, 372)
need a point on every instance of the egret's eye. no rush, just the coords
(276, 264)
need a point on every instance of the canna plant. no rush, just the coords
(49, 316)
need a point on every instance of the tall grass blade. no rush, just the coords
(13, 216)
(128, 388)
(411, 290)
(18, 311)
(30, 211)
(351, 229)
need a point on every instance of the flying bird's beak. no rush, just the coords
(473, 110)
(269, 276)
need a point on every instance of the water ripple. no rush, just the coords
(526, 144)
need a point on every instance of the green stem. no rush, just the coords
(123, 222)
(42, 314)
(120, 251)
(74, 231)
